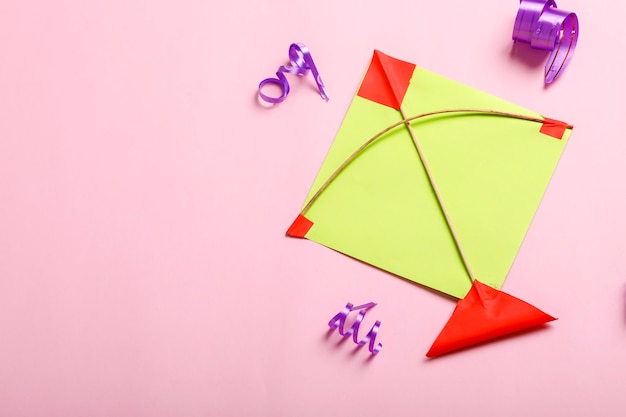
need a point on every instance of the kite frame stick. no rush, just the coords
(407, 122)
(442, 206)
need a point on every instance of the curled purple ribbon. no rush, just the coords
(543, 26)
(339, 321)
(301, 63)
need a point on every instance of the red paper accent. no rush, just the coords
(300, 227)
(554, 128)
(386, 80)
(484, 314)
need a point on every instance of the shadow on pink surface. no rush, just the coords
(343, 340)
(339, 345)
(531, 57)
(624, 303)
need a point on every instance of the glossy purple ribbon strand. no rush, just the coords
(301, 63)
(339, 321)
(543, 26)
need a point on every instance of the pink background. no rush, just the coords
(145, 194)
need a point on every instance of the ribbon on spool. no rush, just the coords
(301, 63)
(543, 26)
(339, 321)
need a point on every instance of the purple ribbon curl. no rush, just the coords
(301, 63)
(543, 26)
(339, 321)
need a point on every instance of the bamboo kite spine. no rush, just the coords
(435, 189)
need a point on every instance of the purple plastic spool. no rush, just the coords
(543, 26)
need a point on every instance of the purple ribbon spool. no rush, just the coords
(301, 63)
(543, 26)
(339, 321)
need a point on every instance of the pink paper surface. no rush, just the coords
(145, 193)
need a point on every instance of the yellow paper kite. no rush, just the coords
(433, 181)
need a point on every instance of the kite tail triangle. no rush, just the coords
(300, 227)
(485, 314)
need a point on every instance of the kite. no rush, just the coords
(436, 182)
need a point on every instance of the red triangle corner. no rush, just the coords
(386, 80)
(485, 314)
(554, 128)
(300, 227)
